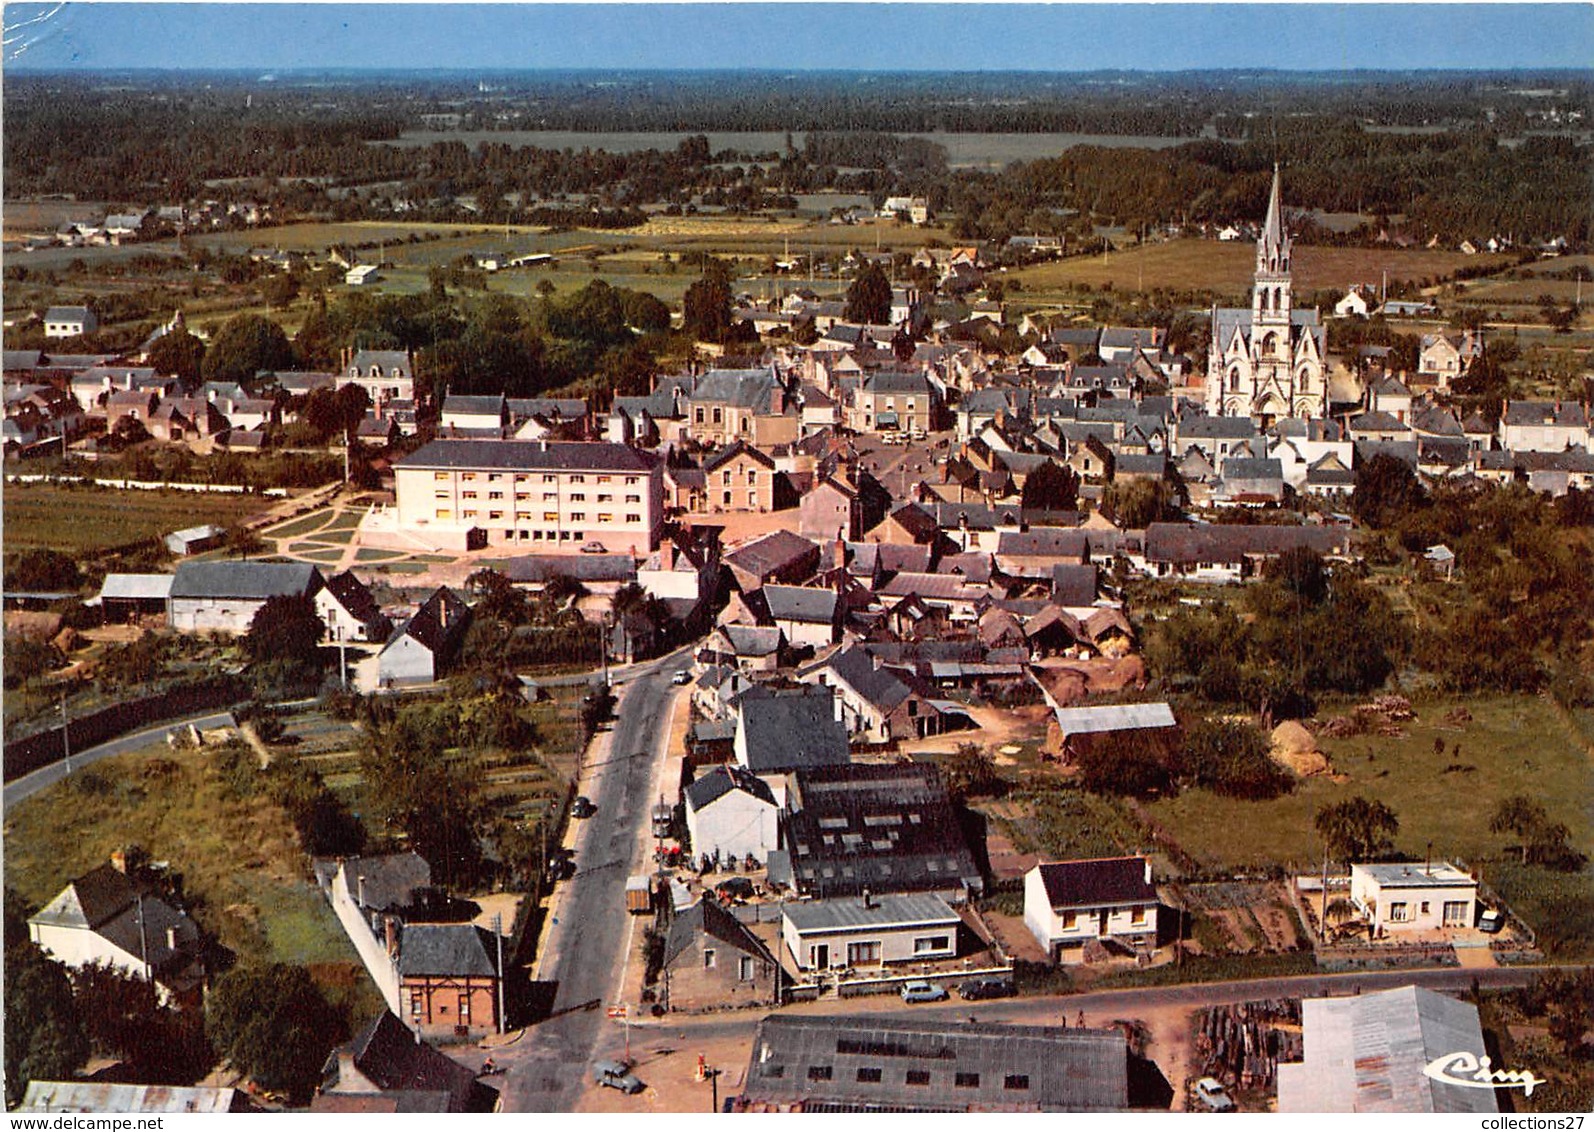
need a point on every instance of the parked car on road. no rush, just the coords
(594, 547)
(684, 676)
(616, 1075)
(921, 990)
(582, 807)
(987, 986)
(1210, 1092)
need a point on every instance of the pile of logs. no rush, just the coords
(1242, 1044)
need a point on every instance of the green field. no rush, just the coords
(79, 518)
(1514, 745)
(1228, 267)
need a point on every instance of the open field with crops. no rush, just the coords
(1228, 267)
(74, 518)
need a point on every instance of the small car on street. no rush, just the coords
(582, 807)
(921, 990)
(988, 986)
(616, 1075)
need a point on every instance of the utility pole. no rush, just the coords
(143, 947)
(498, 934)
(66, 734)
(1322, 927)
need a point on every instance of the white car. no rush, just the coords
(1212, 1094)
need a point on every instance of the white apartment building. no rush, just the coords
(533, 493)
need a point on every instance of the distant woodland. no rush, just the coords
(1469, 154)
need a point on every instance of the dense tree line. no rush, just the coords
(305, 151)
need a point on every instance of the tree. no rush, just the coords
(1051, 487)
(1544, 842)
(45, 1037)
(180, 354)
(286, 628)
(124, 1019)
(495, 596)
(1135, 504)
(245, 345)
(281, 289)
(41, 570)
(26, 659)
(1232, 759)
(970, 772)
(1299, 571)
(869, 297)
(273, 1024)
(1357, 829)
(244, 542)
(1386, 488)
(414, 788)
(706, 307)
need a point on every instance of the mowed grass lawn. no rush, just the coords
(1228, 267)
(81, 518)
(1515, 745)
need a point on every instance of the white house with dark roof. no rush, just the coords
(349, 611)
(386, 375)
(107, 916)
(807, 616)
(69, 322)
(1068, 904)
(421, 648)
(731, 813)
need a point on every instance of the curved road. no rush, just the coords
(30, 784)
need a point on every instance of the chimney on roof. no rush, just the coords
(840, 551)
(171, 938)
(359, 890)
(835, 705)
(667, 554)
(390, 930)
(868, 898)
(1147, 863)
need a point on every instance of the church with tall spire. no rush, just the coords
(1268, 361)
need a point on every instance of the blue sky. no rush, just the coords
(1050, 37)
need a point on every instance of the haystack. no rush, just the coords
(1295, 749)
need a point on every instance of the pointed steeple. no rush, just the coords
(1272, 247)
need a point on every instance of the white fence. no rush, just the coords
(146, 485)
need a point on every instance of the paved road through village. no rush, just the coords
(584, 945)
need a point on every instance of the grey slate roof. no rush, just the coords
(721, 781)
(390, 880)
(573, 456)
(1097, 883)
(1215, 428)
(896, 381)
(447, 949)
(774, 552)
(1074, 585)
(709, 919)
(1244, 468)
(1190, 542)
(136, 587)
(814, 1064)
(790, 729)
(743, 388)
(582, 567)
(886, 828)
(890, 910)
(388, 1055)
(801, 603)
(250, 581)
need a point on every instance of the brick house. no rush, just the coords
(448, 979)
